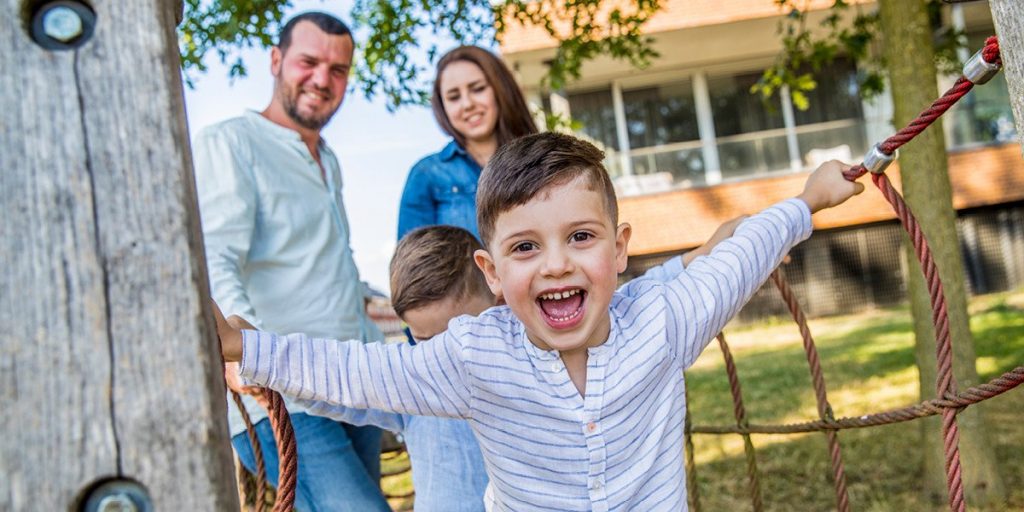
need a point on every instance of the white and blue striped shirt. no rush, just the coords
(619, 447)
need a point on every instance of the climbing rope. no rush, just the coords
(978, 70)
(257, 450)
(288, 459)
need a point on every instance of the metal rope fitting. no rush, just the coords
(978, 70)
(876, 161)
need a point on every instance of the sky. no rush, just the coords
(376, 148)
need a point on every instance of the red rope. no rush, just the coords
(945, 381)
(928, 116)
(991, 51)
(288, 456)
(821, 395)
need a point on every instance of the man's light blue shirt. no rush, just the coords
(276, 235)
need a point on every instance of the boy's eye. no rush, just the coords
(524, 247)
(581, 236)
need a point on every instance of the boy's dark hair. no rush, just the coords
(520, 170)
(434, 263)
(329, 24)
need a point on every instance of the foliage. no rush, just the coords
(846, 33)
(403, 36)
(223, 27)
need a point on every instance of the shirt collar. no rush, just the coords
(280, 131)
(452, 150)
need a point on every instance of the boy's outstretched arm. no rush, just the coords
(714, 288)
(827, 187)
(724, 231)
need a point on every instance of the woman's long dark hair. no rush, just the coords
(514, 118)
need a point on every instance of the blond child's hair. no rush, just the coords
(434, 263)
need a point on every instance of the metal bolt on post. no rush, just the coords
(62, 23)
(117, 503)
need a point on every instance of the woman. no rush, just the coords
(478, 103)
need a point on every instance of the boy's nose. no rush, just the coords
(557, 263)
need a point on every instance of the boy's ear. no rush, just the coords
(486, 265)
(622, 234)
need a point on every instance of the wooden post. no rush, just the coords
(108, 361)
(1008, 16)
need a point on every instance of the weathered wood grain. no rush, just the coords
(1008, 16)
(108, 365)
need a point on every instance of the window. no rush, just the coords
(833, 126)
(750, 135)
(596, 114)
(743, 137)
(663, 137)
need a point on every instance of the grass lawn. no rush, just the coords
(868, 361)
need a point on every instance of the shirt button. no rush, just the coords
(455, 190)
(597, 484)
(555, 367)
(591, 426)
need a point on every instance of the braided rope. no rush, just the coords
(928, 116)
(288, 457)
(257, 450)
(740, 413)
(945, 382)
(818, 380)
(994, 387)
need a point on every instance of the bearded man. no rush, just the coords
(277, 250)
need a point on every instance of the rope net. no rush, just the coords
(949, 401)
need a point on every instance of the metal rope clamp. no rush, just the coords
(876, 161)
(978, 70)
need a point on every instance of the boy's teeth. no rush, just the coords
(559, 295)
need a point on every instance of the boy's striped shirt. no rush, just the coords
(620, 447)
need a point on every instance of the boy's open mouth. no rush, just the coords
(562, 309)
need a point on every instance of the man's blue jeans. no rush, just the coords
(339, 464)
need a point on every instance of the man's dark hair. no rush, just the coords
(525, 167)
(435, 263)
(329, 24)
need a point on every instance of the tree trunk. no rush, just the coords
(109, 366)
(909, 53)
(1008, 16)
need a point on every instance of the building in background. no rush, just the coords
(689, 147)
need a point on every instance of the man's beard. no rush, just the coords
(291, 107)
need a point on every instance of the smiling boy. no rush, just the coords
(574, 390)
